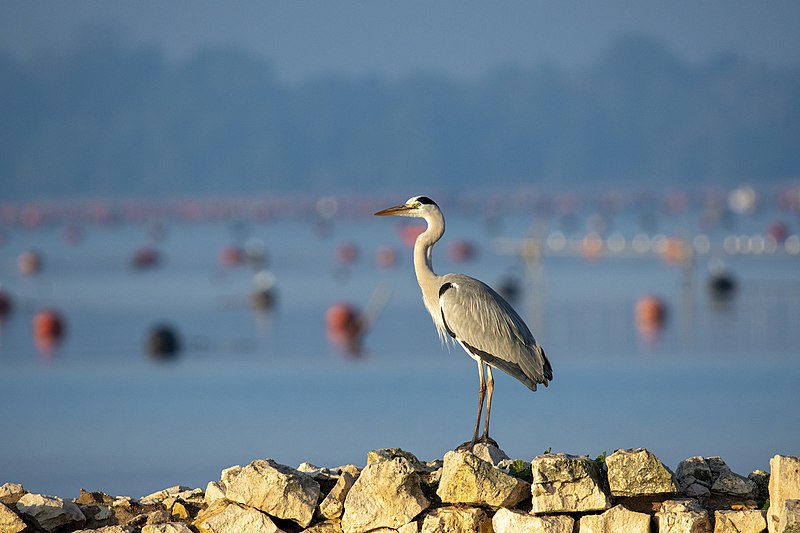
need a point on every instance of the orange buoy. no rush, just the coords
(385, 256)
(409, 234)
(460, 251)
(651, 315)
(48, 330)
(29, 263)
(347, 253)
(674, 250)
(592, 246)
(344, 327)
(231, 256)
(145, 258)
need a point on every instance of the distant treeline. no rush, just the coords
(106, 118)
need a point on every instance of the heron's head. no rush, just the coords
(416, 206)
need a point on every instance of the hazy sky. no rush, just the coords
(464, 38)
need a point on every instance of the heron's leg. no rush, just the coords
(489, 391)
(481, 396)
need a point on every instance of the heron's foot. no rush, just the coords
(486, 439)
(467, 446)
(470, 444)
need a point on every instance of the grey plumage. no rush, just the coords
(474, 315)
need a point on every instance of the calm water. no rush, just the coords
(98, 413)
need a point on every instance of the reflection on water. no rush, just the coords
(247, 292)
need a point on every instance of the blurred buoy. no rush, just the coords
(385, 256)
(144, 258)
(460, 251)
(344, 327)
(49, 329)
(722, 285)
(347, 253)
(6, 305)
(651, 316)
(509, 288)
(778, 231)
(674, 250)
(29, 263)
(409, 234)
(256, 253)
(264, 295)
(592, 246)
(163, 342)
(231, 256)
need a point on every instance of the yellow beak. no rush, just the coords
(396, 210)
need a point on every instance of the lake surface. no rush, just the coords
(720, 378)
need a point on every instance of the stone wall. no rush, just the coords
(482, 492)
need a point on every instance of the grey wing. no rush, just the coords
(489, 328)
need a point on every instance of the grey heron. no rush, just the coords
(474, 315)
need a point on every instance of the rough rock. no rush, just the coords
(761, 479)
(616, 519)
(790, 517)
(228, 517)
(682, 516)
(107, 529)
(693, 477)
(328, 526)
(9, 521)
(278, 490)
(469, 480)
(387, 454)
(387, 493)
(489, 453)
(50, 512)
(169, 527)
(332, 506)
(638, 472)
(457, 520)
(11, 489)
(161, 495)
(748, 521)
(215, 490)
(732, 484)
(509, 521)
(565, 483)
(784, 484)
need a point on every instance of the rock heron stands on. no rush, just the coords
(473, 314)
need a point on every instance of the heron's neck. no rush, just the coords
(423, 265)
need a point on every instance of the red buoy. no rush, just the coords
(345, 327)
(29, 263)
(48, 330)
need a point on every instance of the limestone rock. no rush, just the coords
(159, 496)
(638, 472)
(387, 493)
(169, 527)
(107, 529)
(387, 454)
(50, 512)
(329, 526)
(278, 490)
(489, 453)
(11, 489)
(332, 506)
(457, 520)
(509, 521)
(9, 521)
(215, 490)
(468, 479)
(784, 484)
(682, 516)
(693, 477)
(790, 517)
(228, 517)
(749, 521)
(616, 519)
(565, 483)
(732, 484)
